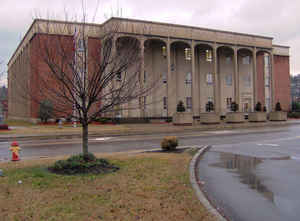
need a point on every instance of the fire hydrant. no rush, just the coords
(14, 148)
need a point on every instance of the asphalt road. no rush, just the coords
(255, 179)
(246, 172)
(56, 147)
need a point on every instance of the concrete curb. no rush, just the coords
(196, 187)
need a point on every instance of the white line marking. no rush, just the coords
(268, 144)
(103, 138)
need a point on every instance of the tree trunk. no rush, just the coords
(85, 148)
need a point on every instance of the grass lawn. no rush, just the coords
(149, 186)
(26, 129)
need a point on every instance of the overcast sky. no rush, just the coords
(274, 18)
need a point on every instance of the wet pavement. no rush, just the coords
(257, 180)
(56, 147)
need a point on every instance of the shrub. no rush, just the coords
(80, 164)
(180, 107)
(234, 107)
(209, 106)
(169, 143)
(295, 106)
(45, 111)
(258, 107)
(278, 107)
(102, 120)
(295, 115)
(265, 109)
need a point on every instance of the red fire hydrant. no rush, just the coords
(14, 148)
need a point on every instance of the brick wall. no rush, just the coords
(49, 55)
(282, 81)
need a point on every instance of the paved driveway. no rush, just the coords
(255, 180)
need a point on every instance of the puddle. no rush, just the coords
(243, 167)
(251, 188)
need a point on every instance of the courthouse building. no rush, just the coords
(196, 65)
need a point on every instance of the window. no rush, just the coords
(267, 81)
(246, 60)
(172, 67)
(142, 101)
(164, 51)
(164, 78)
(145, 77)
(189, 102)
(188, 78)
(247, 80)
(119, 76)
(209, 78)
(228, 80)
(165, 104)
(266, 60)
(188, 54)
(228, 59)
(209, 55)
(80, 45)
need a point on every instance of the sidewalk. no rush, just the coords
(53, 132)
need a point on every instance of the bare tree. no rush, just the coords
(86, 77)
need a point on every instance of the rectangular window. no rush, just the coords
(164, 78)
(188, 54)
(266, 60)
(189, 102)
(165, 103)
(246, 60)
(228, 59)
(80, 45)
(188, 78)
(145, 77)
(209, 78)
(142, 101)
(247, 80)
(209, 55)
(164, 51)
(228, 80)
(267, 81)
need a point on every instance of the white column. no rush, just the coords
(272, 78)
(194, 92)
(169, 78)
(236, 78)
(217, 100)
(254, 83)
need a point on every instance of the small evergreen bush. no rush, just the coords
(258, 107)
(180, 107)
(234, 107)
(80, 164)
(209, 106)
(46, 110)
(169, 143)
(295, 106)
(278, 107)
(295, 115)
